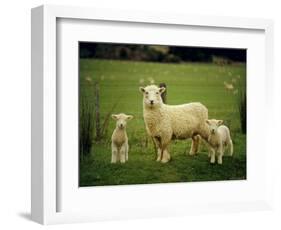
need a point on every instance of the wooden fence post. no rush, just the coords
(164, 95)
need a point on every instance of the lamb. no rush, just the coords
(119, 144)
(219, 139)
(166, 122)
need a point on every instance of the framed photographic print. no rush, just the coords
(140, 114)
(119, 79)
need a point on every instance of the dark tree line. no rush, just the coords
(160, 53)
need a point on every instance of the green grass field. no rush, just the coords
(119, 83)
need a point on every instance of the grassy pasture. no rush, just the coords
(186, 82)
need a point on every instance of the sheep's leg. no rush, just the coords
(114, 154)
(212, 155)
(194, 145)
(162, 151)
(166, 156)
(223, 149)
(159, 154)
(155, 147)
(122, 153)
(127, 152)
(220, 154)
(164, 147)
(157, 143)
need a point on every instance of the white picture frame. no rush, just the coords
(46, 181)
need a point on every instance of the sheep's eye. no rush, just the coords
(146, 93)
(157, 92)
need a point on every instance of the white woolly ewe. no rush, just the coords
(219, 139)
(119, 145)
(166, 122)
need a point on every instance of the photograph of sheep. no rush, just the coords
(161, 114)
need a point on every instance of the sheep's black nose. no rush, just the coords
(151, 102)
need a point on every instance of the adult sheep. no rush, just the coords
(166, 122)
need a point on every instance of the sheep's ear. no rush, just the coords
(130, 117)
(162, 90)
(207, 122)
(220, 122)
(142, 89)
(114, 116)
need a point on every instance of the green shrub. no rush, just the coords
(86, 127)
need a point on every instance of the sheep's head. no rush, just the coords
(213, 125)
(121, 120)
(152, 95)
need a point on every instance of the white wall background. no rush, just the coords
(15, 112)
